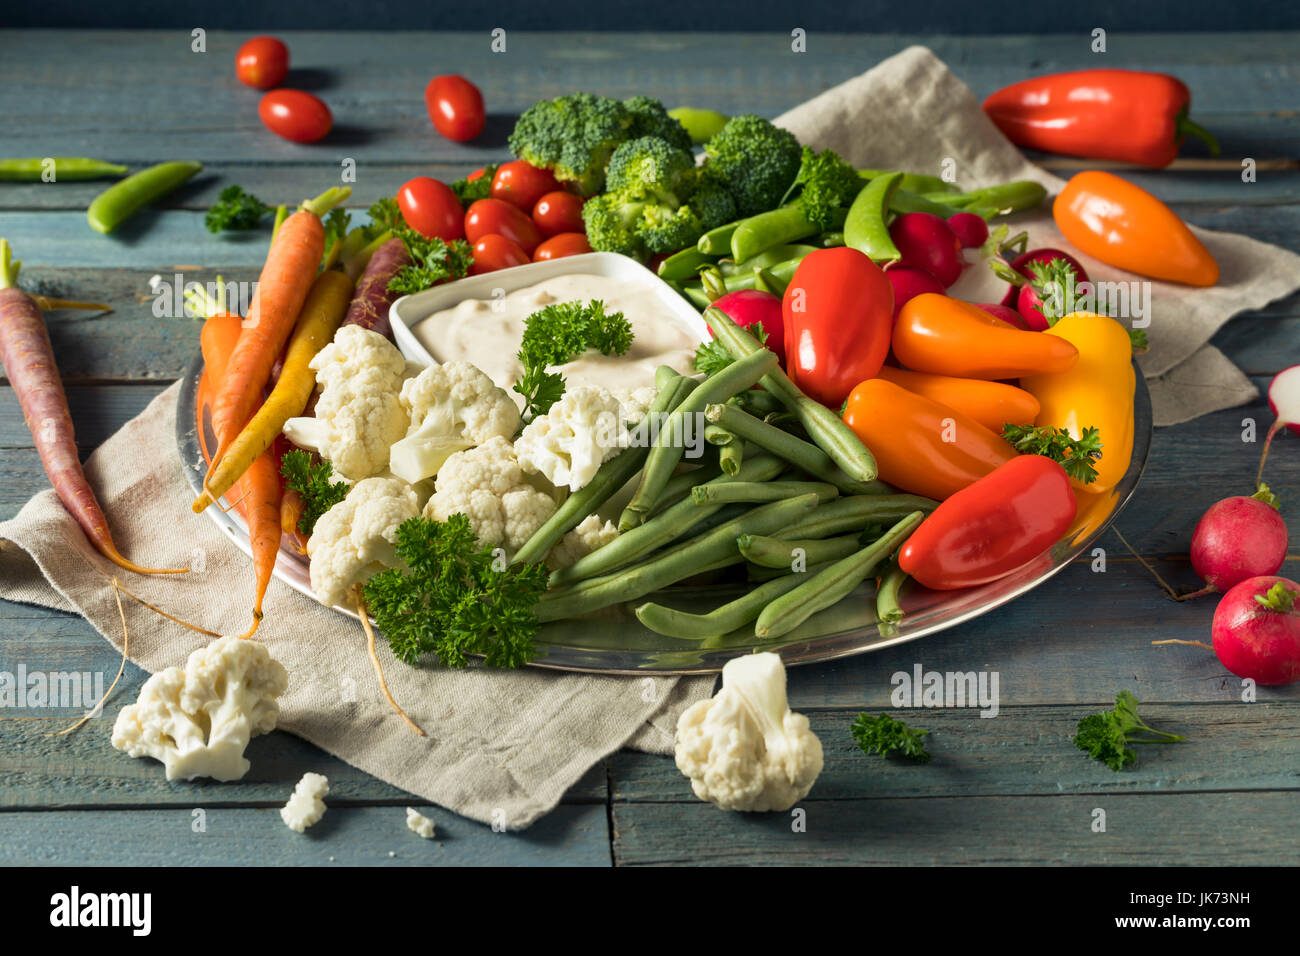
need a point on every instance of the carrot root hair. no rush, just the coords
(364, 613)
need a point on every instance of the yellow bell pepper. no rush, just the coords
(1097, 391)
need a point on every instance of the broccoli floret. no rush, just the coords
(755, 160)
(610, 221)
(825, 183)
(711, 201)
(666, 230)
(649, 118)
(649, 166)
(572, 136)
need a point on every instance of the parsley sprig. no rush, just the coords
(712, 356)
(312, 481)
(235, 209)
(469, 191)
(884, 735)
(1106, 736)
(432, 260)
(560, 333)
(1076, 456)
(454, 598)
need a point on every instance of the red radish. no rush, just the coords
(927, 242)
(748, 307)
(1257, 630)
(909, 282)
(1020, 265)
(971, 230)
(1008, 315)
(28, 360)
(1030, 306)
(1236, 539)
(1284, 402)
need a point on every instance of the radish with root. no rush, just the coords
(1284, 402)
(1238, 538)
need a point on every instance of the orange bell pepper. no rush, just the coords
(919, 444)
(946, 336)
(1119, 223)
(992, 404)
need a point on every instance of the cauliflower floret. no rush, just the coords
(635, 402)
(307, 803)
(587, 537)
(359, 414)
(487, 485)
(744, 749)
(581, 431)
(419, 824)
(451, 407)
(198, 719)
(357, 537)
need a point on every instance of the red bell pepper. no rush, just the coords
(1127, 115)
(992, 527)
(839, 314)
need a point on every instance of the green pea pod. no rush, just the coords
(66, 168)
(766, 259)
(904, 201)
(776, 227)
(684, 265)
(913, 182)
(120, 201)
(717, 241)
(700, 125)
(865, 229)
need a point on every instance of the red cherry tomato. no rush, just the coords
(262, 62)
(487, 216)
(522, 184)
(456, 107)
(565, 244)
(477, 174)
(431, 209)
(295, 115)
(558, 212)
(493, 252)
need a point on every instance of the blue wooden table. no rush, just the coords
(1011, 789)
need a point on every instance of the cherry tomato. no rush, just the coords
(431, 209)
(493, 252)
(456, 107)
(558, 212)
(295, 115)
(522, 184)
(262, 62)
(477, 174)
(564, 244)
(497, 216)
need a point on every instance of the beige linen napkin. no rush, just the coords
(910, 112)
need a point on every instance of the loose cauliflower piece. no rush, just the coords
(357, 537)
(307, 803)
(451, 407)
(198, 719)
(581, 431)
(419, 824)
(744, 749)
(487, 485)
(587, 537)
(359, 414)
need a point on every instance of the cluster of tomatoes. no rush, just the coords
(527, 217)
(263, 63)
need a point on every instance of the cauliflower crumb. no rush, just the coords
(587, 537)
(307, 804)
(417, 822)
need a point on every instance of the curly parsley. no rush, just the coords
(311, 480)
(884, 735)
(1076, 455)
(1106, 736)
(560, 333)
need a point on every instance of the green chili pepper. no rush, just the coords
(120, 201)
(865, 228)
(66, 168)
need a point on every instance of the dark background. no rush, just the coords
(759, 16)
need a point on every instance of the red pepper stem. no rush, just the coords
(1185, 127)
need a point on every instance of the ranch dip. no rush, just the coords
(487, 332)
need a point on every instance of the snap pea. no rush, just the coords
(731, 457)
(865, 229)
(831, 584)
(764, 281)
(120, 201)
(888, 610)
(700, 125)
(717, 241)
(904, 201)
(1016, 196)
(830, 239)
(825, 427)
(66, 168)
(666, 526)
(776, 227)
(769, 552)
(756, 491)
(721, 620)
(854, 514)
(767, 258)
(714, 549)
(696, 295)
(913, 182)
(684, 265)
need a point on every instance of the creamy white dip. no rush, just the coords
(487, 332)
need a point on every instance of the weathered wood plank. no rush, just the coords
(345, 836)
(97, 412)
(1154, 829)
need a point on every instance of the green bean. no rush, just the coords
(764, 281)
(611, 476)
(731, 457)
(865, 228)
(668, 525)
(66, 168)
(715, 549)
(854, 514)
(756, 491)
(696, 295)
(715, 435)
(831, 584)
(823, 425)
(913, 182)
(679, 485)
(665, 375)
(717, 241)
(667, 450)
(119, 201)
(785, 224)
(769, 552)
(888, 610)
(684, 265)
(721, 620)
(700, 124)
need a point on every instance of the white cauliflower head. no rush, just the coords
(591, 535)
(580, 432)
(487, 485)
(744, 749)
(198, 719)
(357, 537)
(451, 407)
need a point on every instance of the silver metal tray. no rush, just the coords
(614, 641)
